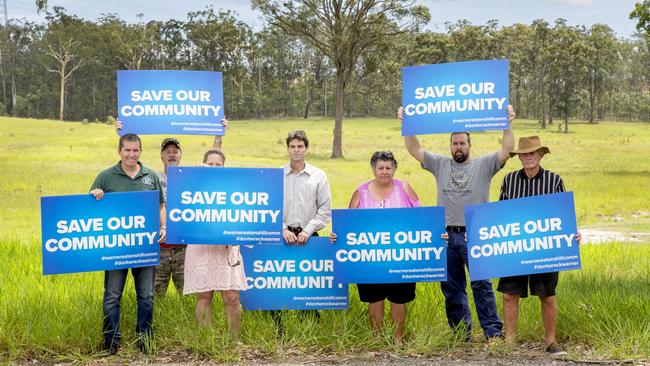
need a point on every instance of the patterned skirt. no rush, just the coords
(213, 267)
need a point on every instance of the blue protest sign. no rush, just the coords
(454, 97)
(292, 277)
(390, 245)
(522, 236)
(228, 206)
(82, 234)
(170, 102)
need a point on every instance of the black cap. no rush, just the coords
(170, 141)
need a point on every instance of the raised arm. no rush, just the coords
(412, 143)
(118, 126)
(218, 140)
(508, 140)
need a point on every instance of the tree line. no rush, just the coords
(66, 67)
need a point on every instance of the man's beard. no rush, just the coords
(460, 157)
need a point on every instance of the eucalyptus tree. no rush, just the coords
(568, 70)
(471, 42)
(641, 13)
(539, 59)
(174, 45)
(24, 70)
(343, 30)
(63, 45)
(511, 43)
(139, 45)
(601, 59)
(430, 48)
(219, 41)
(375, 88)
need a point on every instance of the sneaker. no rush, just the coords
(555, 350)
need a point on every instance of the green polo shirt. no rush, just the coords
(114, 179)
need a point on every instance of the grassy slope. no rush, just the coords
(606, 165)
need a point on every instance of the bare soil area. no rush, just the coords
(603, 236)
(526, 355)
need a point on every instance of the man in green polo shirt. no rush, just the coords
(172, 256)
(126, 176)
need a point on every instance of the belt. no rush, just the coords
(295, 229)
(298, 230)
(456, 229)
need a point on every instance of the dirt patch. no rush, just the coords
(600, 236)
(527, 355)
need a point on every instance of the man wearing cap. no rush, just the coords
(463, 180)
(172, 256)
(129, 175)
(532, 180)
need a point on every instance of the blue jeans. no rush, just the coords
(114, 281)
(456, 303)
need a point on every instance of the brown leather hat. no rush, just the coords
(530, 144)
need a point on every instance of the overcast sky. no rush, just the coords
(577, 12)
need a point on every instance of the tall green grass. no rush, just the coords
(604, 309)
(604, 313)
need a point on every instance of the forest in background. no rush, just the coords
(557, 70)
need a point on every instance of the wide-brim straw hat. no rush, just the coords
(530, 144)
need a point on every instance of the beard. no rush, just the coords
(460, 157)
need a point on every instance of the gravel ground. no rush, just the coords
(525, 355)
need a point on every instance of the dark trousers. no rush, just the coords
(113, 287)
(454, 290)
(302, 314)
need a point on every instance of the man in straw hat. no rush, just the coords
(463, 180)
(532, 180)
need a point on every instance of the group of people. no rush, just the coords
(461, 180)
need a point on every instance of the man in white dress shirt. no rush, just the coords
(307, 197)
(307, 204)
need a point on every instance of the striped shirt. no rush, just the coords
(517, 184)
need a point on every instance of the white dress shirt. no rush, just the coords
(307, 199)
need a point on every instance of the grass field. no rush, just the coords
(604, 308)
